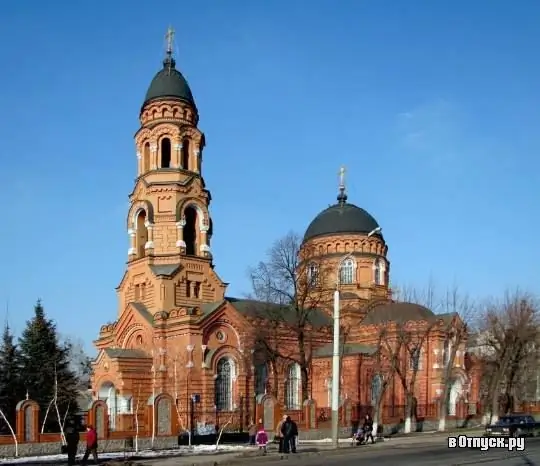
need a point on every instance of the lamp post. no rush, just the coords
(335, 373)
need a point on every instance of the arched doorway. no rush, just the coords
(108, 393)
(453, 396)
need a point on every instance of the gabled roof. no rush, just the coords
(345, 350)
(166, 270)
(143, 311)
(275, 312)
(398, 313)
(120, 353)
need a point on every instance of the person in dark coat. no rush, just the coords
(72, 441)
(287, 430)
(368, 429)
(91, 445)
(294, 437)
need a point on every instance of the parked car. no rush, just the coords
(514, 425)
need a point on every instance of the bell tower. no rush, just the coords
(168, 222)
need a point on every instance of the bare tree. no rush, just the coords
(510, 326)
(383, 374)
(10, 427)
(404, 345)
(294, 290)
(453, 326)
(178, 361)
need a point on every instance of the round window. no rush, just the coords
(220, 336)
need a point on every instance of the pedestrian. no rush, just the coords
(294, 438)
(252, 431)
(91, 445)
(279, 434)
(262, 439)
(368, 429)
(72, 441)
(287, 430)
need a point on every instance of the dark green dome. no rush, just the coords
(169, 83)
(342, 218)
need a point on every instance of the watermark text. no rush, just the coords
(486, 443)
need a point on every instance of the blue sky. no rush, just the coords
(433, 107)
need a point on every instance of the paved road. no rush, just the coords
(427, 455)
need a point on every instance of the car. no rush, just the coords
(514, 425)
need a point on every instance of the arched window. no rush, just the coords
(142, 233)
(346, 272)
(261, 377)
(313, 274)
(146, 158)
(293, 387)
(376, 388)
(224, 384)
(378, 272)
(165, 153)
(107, 393)
(185, 154)
(190, 231)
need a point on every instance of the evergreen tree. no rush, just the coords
(11, 390)
(43, 362)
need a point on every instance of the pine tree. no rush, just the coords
(43, 362)
(11, 391)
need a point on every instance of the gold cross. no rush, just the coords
(170, 39)
(342, 177)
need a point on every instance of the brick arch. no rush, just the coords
(197, 204)
(216, 325)
(232, 353)
(190, 132)
(142, 136)
(165, 129)
(140, 205)
(162, 428)
(129, 333)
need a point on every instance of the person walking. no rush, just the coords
(368, 429)
(72, 441)
(287, 430)
(91, 445)
(262, 439)
(279, 434)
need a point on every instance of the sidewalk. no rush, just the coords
(305, 449)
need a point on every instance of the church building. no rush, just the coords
(178, 337)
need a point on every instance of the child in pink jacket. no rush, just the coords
(262, 439)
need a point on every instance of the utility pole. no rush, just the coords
(335, 373)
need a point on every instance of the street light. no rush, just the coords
(374, 232)
(335, 373)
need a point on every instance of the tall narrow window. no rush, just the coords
(190, 231)
(313, 274)
(293, 387)
(261, 377)
(185, 154)
(165, 153)
(146, 158)
(224, 385)
(142, 234)
(346, 272)
(378, 272)
(197, 290)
